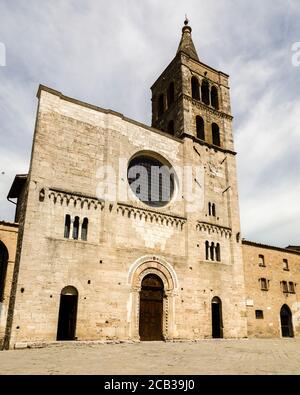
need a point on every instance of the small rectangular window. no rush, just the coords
(259, 314)
(291, 287)
(264, 284)
(285, 264)
(284, 287)
(261, 261)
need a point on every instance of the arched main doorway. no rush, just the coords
(151, 308)
(216, 316)
(286, 321)
(3, 268)
(67, 313)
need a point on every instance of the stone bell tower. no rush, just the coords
(191, 98)
(191, 101)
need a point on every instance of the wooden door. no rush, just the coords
(151, 308)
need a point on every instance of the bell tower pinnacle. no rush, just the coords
(191, 99)
(186, 44)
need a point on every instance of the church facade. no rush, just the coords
(131, 232)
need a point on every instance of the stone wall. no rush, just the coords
(72, 141)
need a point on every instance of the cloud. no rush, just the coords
(110, 53)
(269, 170)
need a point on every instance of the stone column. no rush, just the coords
(79, 229)
(135, 312)
(169, 316)
(71, 227)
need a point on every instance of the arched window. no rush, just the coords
(215, 134)
(161, 106)
(209, 208)
(3, 268)
(76, 228)
(67, 226)
(170, 94)
(195, 88)
(213, 210)
(212, 251)
(84, 229)
(207, 250)
(205, 92)
(200, 128)
(171, 127)
(218, 252)
(214, 97)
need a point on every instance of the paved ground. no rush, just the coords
(247, 356)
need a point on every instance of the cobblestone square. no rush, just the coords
(247, 356)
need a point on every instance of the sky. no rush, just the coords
(108, 53)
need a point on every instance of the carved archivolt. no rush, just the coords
(145, 265)
(214, 229)
(72, 199)
(152, 264)
(151, 216)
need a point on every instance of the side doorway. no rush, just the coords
(217, 319)
(67, 316)
(286, 321)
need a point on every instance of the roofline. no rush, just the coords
(103, 110)
(211, 68)
(24, 175)
(165, 69)
(259, 245)
(18, 178)
(8, 223)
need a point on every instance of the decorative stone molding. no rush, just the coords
(214, 229)
(153, 261)
(207, 109)
(151, 216)
(71, 199)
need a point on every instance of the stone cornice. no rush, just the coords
(214, 228)
(215, 147)
(266, 246)
(72, 199)
(205, 65)
(206, 108)
(10, 224)
(151, 216)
